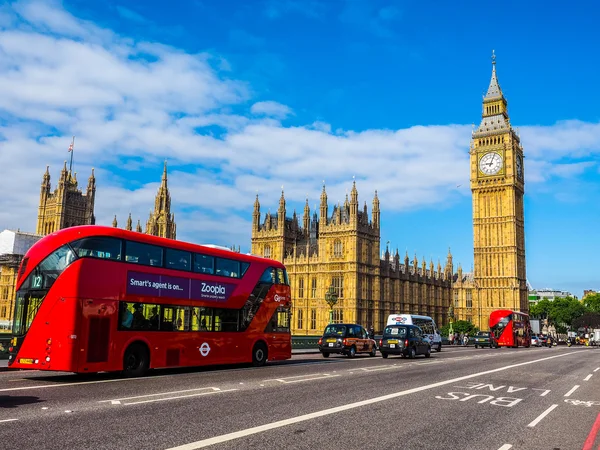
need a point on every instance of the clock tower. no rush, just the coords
(497, 184)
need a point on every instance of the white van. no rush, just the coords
(426, 323)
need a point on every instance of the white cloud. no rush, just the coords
(270, 108)
(133, 104)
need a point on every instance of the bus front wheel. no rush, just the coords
(259, 354)
(136, 360)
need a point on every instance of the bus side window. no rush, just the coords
(280, 276)
(139, 253)
(178, 259)
(203, 263)
(227, 267)
(268, 276)
(98, 247)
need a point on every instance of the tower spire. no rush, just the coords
(494, 90)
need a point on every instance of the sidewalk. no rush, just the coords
(304, 351)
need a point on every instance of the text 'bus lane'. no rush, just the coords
(500, 397)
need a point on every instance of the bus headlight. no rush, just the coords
(47, 359)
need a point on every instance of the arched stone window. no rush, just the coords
(267, 251)
(338, 248)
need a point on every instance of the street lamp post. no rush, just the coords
(331, 298)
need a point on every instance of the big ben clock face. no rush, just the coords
(519, 167)
(490, 163)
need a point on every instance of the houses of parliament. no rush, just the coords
(338, 250)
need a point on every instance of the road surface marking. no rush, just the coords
(543, 394)
(8, 420)
(573, 389)
(326, 412)
(300, 378)
(505, 447)
(180, 396)
(588, 403)
(375, 368)
(596, 369)
(589, 442)
(541, 416)
(155, 395)
(43, 386)
(588, 377)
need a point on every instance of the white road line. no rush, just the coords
(300, 378)
(8, 420)
(588, 377)
(180, 396)
(43, 386)
(596, 369)
(376, 368)
(573, 389)
(162, 393)
(541, 416)
(327, 412)
(505, 447)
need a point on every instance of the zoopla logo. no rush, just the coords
(213, 288)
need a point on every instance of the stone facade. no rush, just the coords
(341, 252)
(67, 206)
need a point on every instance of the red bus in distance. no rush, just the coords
(511, 328)
(101, 299)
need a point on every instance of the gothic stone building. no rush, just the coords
(342, 251)
(161, 222)
(497, 182)
(67, 206)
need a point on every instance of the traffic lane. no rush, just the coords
(36, 377)
(47, 384)
(84, 394)
(491, 411)
(577, 412)
(202, 417)
(71, 395)
(25, 379)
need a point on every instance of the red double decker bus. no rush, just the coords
(94, 299)
(511, 328)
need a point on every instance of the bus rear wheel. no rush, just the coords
(259, 354)
(136, 360)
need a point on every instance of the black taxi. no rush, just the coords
(405, 340)
(347, 339)
(485, 339)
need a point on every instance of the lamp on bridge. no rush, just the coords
(331, 298)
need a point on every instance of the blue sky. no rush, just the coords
(244, 96)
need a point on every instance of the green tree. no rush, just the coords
(541, 309)
(592, 303)
(460, 326)
(565, 310)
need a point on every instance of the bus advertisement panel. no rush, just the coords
(511, 328)
(94, 299)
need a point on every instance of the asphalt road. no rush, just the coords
(461, 398)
